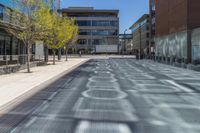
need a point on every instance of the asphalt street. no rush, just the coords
(112, 96)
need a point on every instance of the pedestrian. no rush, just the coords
(80, 53)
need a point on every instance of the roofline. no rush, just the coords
(139, 20)
(89, 10)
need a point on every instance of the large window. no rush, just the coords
(84, 32)
(7, 15)
(83, 23)
(104, 32)
(2, 45)
(196, 46)
(104, 23)
(15, 46)
(97, 23)
(1, 12)
(8, 45)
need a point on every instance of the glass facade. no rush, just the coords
(1, 12)
(144, 22)
(104, 32)
(97, 23)
(196, 46)
(97, 28)
(104, 23)
(83, 23)
(84, 32)
(91, 41)
(7, 3)
(9, 45)
(99, 32)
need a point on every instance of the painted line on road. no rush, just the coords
(179, 86)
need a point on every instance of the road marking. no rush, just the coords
(31, 121)
(119, 94)
(158, 123)
(102, 127)
(179, 86)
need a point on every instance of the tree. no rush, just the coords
(61, 31)
(72, 41)
(24, 23)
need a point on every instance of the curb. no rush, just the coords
(13, 103)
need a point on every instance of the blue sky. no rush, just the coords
(130, 10)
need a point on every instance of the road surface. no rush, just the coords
(112, 96)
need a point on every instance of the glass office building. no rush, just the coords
(98, 29)
(9, 45)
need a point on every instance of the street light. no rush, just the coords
(124, 49)
(140, 49)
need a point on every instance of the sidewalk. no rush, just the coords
(14, 85)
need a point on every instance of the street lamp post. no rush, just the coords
(124, 49)
(140, 47)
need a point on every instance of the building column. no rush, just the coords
(189, 47)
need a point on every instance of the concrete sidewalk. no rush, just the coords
(15, 85)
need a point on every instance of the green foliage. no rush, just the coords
(24, 22)
(62, 30)
(33, 20)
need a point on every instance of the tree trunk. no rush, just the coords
(66, 54)
(54, 57)
(59, 54)
(46, 54)
(28, 57)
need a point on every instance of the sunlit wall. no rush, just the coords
(174, 45)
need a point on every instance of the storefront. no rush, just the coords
(10, 48)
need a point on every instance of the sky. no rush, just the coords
(130, 10)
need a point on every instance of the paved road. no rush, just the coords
(113, 96)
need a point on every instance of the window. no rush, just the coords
(8, 45)
(82, 41)
(7, 15)
(83, 23)
(104, 23)
(84, 32)
(97, 42)
(153, 7)
(147, 35)
(105, 32)
(2, 45)
(1, 12)
(147, 27)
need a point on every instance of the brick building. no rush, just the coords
(177, 33)
(152, 26)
